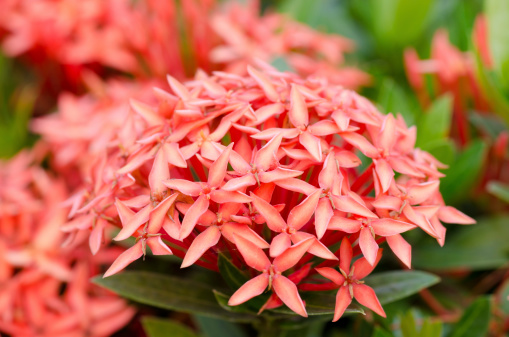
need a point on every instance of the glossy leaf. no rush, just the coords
(169, 292)
(160, 327)
(394, 285)
(213, 327)
(479, 247)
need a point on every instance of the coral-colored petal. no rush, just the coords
(267, 155)
(222, 197)
(317, 248)
(296, 185)
(366, 296)
(422, 192)
(387, 135)
(236, 184)
(387, 202)
(339, 223)
(360, 143)
(341, 118)
(328, 172)
(388, 227)
(287, 291)
(199, 207)
(292, 255)
(269, 213)
(172, 227)
(298, 113)
(323, 215)
(385, 173)
(302, 213)
(159, 213)
(368, 245)
(280, 243)
(362, 268)
(264, 83)
(312, 144)
(217, 171)
(159, 173)
(206, 239)
(278, 173)
(250, 289)
(184, 186)
(450, 214)
(266, 112)
(343, 300)
(349, 205)
(324, 128)
(243, 230)
(401, 249)
(420, 220)
(146, 112)
(96, 235)
(124, 259)
(331, 274)
(173, 155)
(157, 246)
(254, 256)
(345, 255)
(134, 223)
(124, 212)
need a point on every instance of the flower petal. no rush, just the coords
(323, 215)
(292, 255)
(269, 213)
(298, 112)
(331, 274)
(368, 245)
(388, 227)
(134, 223)
(159, 213)
(184, 186)
(450, 214)
(217, 171)
(253, 255)
(312, 144)
(206, 239)
(302, 213)
(199, 207)
(157, 246)
(287, 291)
(250, 289)
(124, 259)
(401, 249)
(366, 296)
(343, 300)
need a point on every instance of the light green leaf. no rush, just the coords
(499, 190)
(431, 328)
(399, 22)
(408, 327)
(497, 15)
(169, 292)
(379, 332)
(475, 320)
(159, 327)
(393, 99)
(478, 247)
(434, 125)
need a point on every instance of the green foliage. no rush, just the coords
(475, 320)
(497, 15)
(478, 247)
(499, 190)
(435, 123)
(159, 327)
(213, 327)
(463, 174)
(399, 22)
(168, 292)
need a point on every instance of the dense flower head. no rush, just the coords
(35, 267)
(270, 169)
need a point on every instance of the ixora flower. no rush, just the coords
(45, 284)
(264, 169)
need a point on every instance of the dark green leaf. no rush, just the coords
(435, 124)
(499, 190)
(475, 320)
(443, 150)
(478, 247)
(159, 327)
(213, 327)
(394, 285)
(462, 175)
(169, 292)
(222, 299)
(232, 275)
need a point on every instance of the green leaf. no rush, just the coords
(462, 175)
(502, 295)
(408, 327)
(159, 327)
(232, 275)
(213, 327)
(281, 64)
(497, 15)
(399, 22)
(435, 124)
(431, 329)
(320, 303)
(394, 285)
(168, 292)
(499, 190)
(475, 320)
(443, 150)
(393, 99)
(478, 247)
(379, 332)
(222, 299)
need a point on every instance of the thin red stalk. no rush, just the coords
(363, 178)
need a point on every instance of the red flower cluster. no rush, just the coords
(219, 163)
(42, 281)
